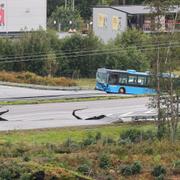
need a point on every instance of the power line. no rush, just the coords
(78, 52)
(84, 49)
(81, 55)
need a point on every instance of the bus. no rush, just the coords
(123, 82)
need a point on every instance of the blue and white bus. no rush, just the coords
(123, 82)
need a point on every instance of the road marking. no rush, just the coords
(126, 114)
(149, 112)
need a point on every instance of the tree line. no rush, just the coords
(76, 56)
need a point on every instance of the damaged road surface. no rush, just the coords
(54, 115)
(90, 118)
(1, 113)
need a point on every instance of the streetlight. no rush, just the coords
(70, 24)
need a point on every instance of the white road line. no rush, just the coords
(126, 114)
(149, 112)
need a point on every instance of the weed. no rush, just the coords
(84, 168)
(158, 171)
(134, 135)
(104, 161)
(98, 136)
(128, 170)
(89, 140)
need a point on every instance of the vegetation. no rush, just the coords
(31, 78)
(64, 16)
(63, 154)
(76, 56)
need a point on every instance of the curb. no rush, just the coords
(42, 87)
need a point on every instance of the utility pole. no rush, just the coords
(70, 3)
(65, 4)
(73, 5)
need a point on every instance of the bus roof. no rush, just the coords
(129, 71)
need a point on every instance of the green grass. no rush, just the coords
(62, 134)
(86, 83)
(177, 72)
(46, 150)
(43, 101)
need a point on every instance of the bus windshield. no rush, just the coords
(101, 77)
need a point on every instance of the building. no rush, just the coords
(22, 15)
(108, 21)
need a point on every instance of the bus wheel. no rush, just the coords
(122, 91)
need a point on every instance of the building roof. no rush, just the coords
(139, 9)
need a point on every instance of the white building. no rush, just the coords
(108, 21)
(22, 15)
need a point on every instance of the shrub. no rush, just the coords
(158, 171)
(108, 140)
(98, 136)
(176, 164)
(89, 140)
(31, 78)
(26, 176)
(84, 168)
(149, 135)
(126, 170)
(104, 161)
(176, 167)
(39, 175)
(136, 167)
(134, 135)
(132, 169)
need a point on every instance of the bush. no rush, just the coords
(176, 167)
(89, 140)
(149, 135)
(133, 169)
(136, 167)
(98, 136)
(31, 78)
(176, 164)
(158, 171)
(84, 168)
(39, 175)
(104, 161)
(134, 135)
(126, 170)
(149, 151)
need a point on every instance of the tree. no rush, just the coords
(64, 16)
(80, 55)
(167, 106)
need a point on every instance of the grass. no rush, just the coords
(86, 83)
(31, 78)
(60, 135)
(43, 101)
(60, 152)
(177, 72)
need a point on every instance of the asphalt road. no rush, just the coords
(60, 114)
(10, 93)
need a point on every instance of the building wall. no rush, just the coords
(22, 15)
(107, 23)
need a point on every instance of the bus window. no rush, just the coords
(101, 77)
(123, 79)
(142, 80)
(132, 79)
(113, 79)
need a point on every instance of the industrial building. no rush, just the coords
(22, 15)
(108, 21)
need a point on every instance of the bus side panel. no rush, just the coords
(130, 89)
(139, 90)
(100, 86)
